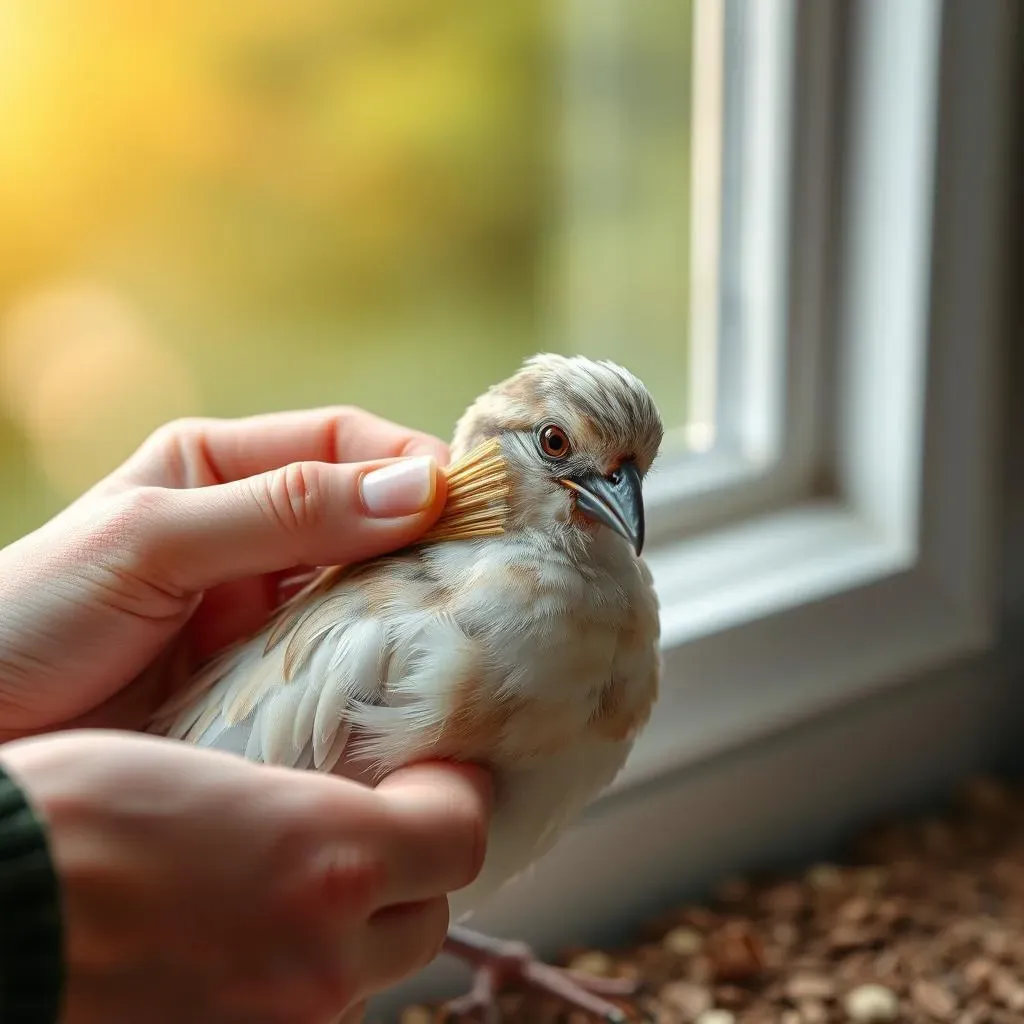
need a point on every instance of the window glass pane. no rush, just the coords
(625, 215)
(231, 207)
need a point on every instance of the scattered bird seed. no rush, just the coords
(871, 1004)
(923, 924)
(716, 1017)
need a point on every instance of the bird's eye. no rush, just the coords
(553, 442)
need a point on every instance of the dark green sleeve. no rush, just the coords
(30, 921)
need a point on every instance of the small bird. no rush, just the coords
(522, 634)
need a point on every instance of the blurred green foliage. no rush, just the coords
(234, 207)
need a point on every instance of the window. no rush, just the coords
(850, 549)
(757, 206)
(864, 177)
(229, 210)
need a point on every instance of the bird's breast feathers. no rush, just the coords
(504, 651)
(533, 650)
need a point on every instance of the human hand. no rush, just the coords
(186, 547)
(199, 886)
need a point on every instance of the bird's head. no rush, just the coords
(578, 438)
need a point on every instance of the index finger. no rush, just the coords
(199, 452)
(439, 814)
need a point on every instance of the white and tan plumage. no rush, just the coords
(535, 651)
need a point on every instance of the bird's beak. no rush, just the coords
(616, 500)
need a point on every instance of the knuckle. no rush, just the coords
(140, 503)
(345, 424)
(174, 430)
(346, 880)
(121, 546)
(169, 439)
(171, 452)
(126, 527)
(294, 496)
(346, 411)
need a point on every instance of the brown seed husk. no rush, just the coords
(923, 923)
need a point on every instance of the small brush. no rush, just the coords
(476, 506)
(477, 502)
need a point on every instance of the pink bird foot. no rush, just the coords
(498, 963)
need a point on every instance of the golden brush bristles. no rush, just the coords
(476, 506)
(477, 502)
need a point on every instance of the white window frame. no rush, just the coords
(760, 385)
(885, 570)
(823, 517)
(878, 565)
(757, 393)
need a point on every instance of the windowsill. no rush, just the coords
(789, 596)
(762, 566)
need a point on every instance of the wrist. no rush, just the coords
(31, 955)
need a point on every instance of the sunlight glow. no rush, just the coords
(86, 381)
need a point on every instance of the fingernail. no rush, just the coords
(400, 489)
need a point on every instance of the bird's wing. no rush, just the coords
(353, 657)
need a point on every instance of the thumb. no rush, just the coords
(306, 513)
